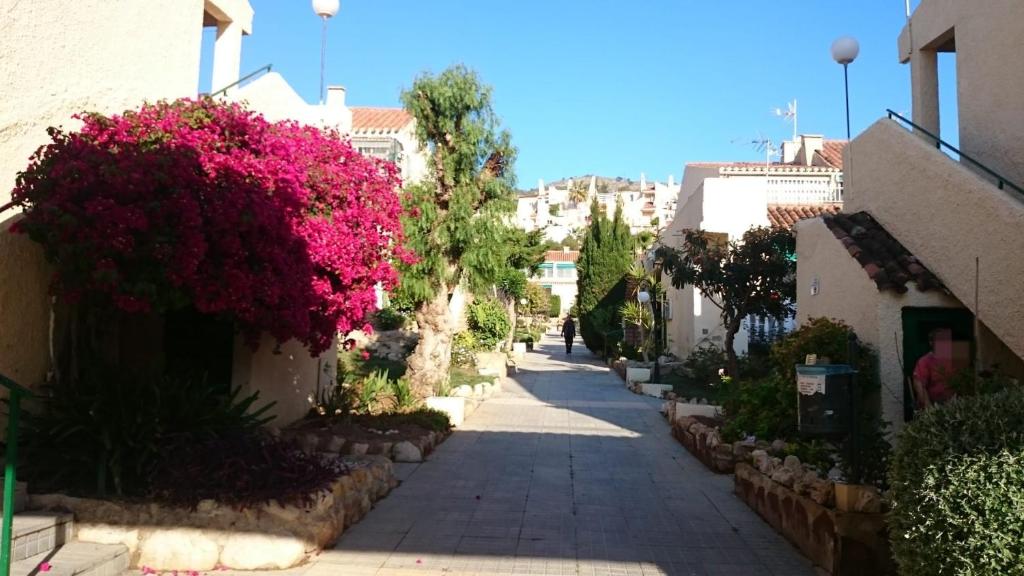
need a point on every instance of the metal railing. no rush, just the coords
(17, 392)
(1001, 182)
(248, 76)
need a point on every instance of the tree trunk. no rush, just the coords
(510, 305)
(730, 350)
(431, 360)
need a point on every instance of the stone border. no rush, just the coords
(216, 536)
(325, 441)
(843, 543)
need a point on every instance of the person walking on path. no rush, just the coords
(569, 333)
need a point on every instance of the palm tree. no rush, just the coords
(578, 192)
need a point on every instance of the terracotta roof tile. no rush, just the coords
(832, 153)
(786, 215)
(885, 260)
(379, 120)
(562, 256)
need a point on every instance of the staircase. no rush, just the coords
(961, 223)
(44, 545)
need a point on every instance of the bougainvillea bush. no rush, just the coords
(282, 228)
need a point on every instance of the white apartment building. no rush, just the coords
(558, 275)
(732, 197)
(645, 206)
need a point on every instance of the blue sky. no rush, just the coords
(610, 87)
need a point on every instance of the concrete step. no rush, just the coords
(40, 532)
(76, 559)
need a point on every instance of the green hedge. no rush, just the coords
(958, 488)
(554, 306)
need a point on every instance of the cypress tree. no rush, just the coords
(605, 257)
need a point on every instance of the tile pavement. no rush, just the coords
(565, 473)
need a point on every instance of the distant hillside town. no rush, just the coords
(563, 207)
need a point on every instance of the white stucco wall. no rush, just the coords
(285, 375)
(59, 58)
(947, 216)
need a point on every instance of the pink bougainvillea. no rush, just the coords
(281, 227)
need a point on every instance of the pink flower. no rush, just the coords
(283, 228)
(365, 355)
(45, 567)
(148, 570)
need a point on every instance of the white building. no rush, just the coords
(552, 207)
(386, 133)
(730, 198)
(558, 275)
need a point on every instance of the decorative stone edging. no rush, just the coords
(843, 543)
(325, 440)
(218, 536)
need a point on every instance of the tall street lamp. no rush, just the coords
(844, 51)
(324, 9)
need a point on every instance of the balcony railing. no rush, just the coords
(944, 146)
(803, 190)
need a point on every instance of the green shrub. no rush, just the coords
(426, 418)
(464, 347)
(373, 392)
(763, 408)
(489, 322)
(401, 391)
(554, 306)
(826, 338)
(704, 363)
(389, 318)
(105, 433)
(957, 497)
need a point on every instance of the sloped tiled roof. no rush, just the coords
(562, 256)
(786, 215)
(379, 120)
(832, 153)
(886, 261)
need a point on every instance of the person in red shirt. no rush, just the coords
(932, 371)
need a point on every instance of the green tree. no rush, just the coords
(525, 253)
(756, 275)
(605, 256)
(579, 191)
(455, 219)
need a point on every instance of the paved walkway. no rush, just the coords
(565, 473)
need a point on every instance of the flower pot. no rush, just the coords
(453, 406)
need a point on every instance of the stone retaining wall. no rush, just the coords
(217, 536)
(843, 543)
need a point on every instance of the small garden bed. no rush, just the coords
(843, 543)
(402, 437)
(212, 535)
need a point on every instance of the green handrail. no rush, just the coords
(242, 79)
(10, 464)
(940, 144)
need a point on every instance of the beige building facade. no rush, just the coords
(953, 216)
(114, 55)
(731, 197)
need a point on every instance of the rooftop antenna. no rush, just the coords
(761, 144)
(788, 114)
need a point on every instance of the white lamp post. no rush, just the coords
(844, 51)
(324, 9)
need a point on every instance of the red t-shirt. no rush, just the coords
(934, 374)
